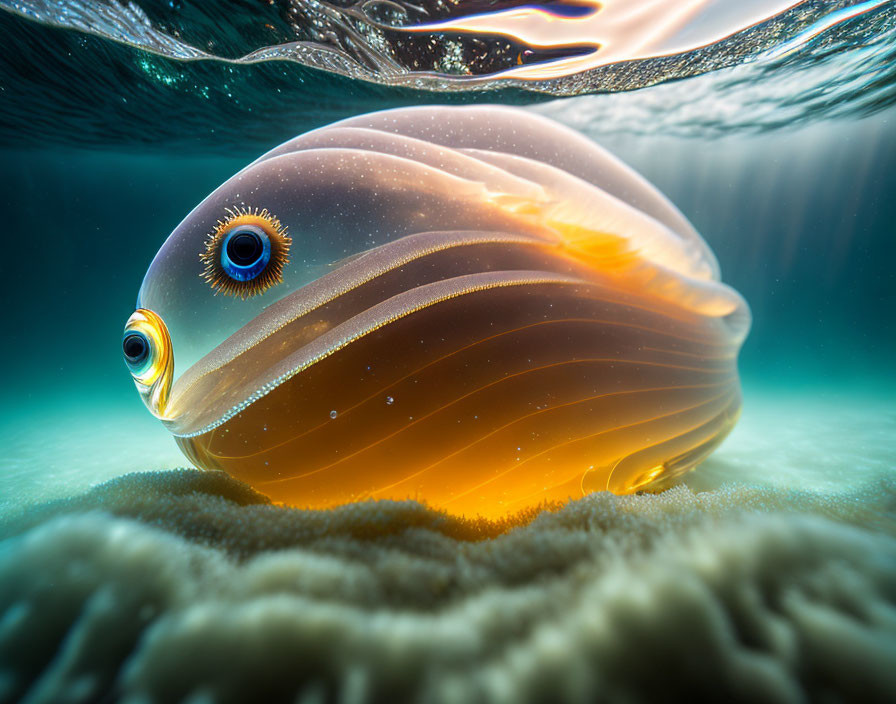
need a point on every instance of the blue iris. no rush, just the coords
(246, 252)
(137, 351)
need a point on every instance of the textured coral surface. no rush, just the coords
(185, 585)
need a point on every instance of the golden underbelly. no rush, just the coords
(492, 402)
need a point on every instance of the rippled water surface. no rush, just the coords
(238, 75)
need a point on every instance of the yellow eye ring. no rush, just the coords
(246, 252)
(154, 369)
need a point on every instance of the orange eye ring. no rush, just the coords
(247, 278)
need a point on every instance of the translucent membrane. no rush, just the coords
(481, 309)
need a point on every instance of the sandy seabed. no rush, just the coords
(770, 576)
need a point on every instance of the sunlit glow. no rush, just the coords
(620, 30)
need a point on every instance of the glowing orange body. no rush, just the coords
(476, 329)
(485, 403)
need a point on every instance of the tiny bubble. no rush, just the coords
(333, 414)
(389, 400)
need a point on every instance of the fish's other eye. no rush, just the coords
(143, 350)
(146, 346)
(136, 349)
(246, 253)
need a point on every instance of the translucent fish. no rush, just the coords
(470, 306)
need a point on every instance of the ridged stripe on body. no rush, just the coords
(382, 314)
(506, 378)
(356, 273)
(606, 431)
(595, 321)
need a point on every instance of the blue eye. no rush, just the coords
(137, 351)
(246, 252)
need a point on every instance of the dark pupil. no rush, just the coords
(135, 348)
(244, 248)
